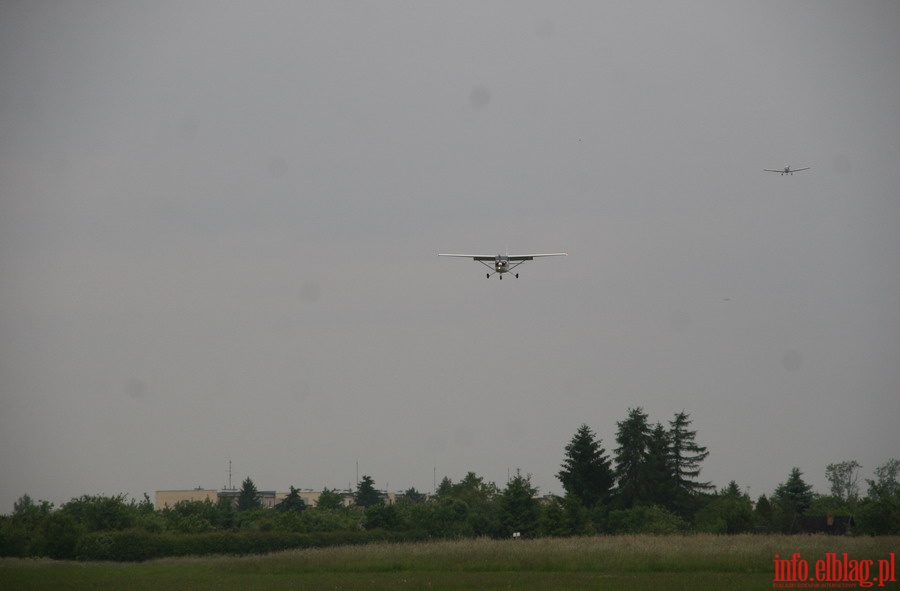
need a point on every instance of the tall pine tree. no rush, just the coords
(686, 456)
(586, 474)
(248, 498)
(633, 438)
(292, 502)
(794, 495)
(658, 479)
(366, 494)
(518, 509)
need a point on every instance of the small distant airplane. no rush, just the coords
(786, 170)
(504, 263)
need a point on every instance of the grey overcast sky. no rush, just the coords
(219, 227)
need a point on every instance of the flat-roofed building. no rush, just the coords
(267, 498)
(311, 497)
(170, 498)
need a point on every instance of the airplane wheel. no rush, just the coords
(517, 275)
(488, 276)
(501, 278)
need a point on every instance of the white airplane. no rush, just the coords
(504, 263)
(786, 170)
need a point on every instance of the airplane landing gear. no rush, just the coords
(517, 275)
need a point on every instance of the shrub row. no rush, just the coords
(138, 545)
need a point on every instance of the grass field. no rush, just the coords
(622, 562)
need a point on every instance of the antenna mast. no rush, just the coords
(230, 486)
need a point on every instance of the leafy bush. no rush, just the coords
(137, 545)
(645, 520)
(382, 516)
(879, 516)
(99, 513)
(726, 514)
(57, 536)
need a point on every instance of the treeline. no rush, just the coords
(651, 484)
(648, 484)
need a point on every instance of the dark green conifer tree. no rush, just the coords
(292, 502)
(686, 455)
(586, 474)
(248, 497)
(633, 438)
(519, 512)
(658, 478)
(366, 494)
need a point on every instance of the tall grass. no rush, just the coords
(737, 554)
(618, 562)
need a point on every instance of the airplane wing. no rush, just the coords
(528, 257)
(770, 170)
(799, 169)
(477, 257)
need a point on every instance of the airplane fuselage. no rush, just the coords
(501, 266)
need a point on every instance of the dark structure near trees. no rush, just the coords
(835, 525)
